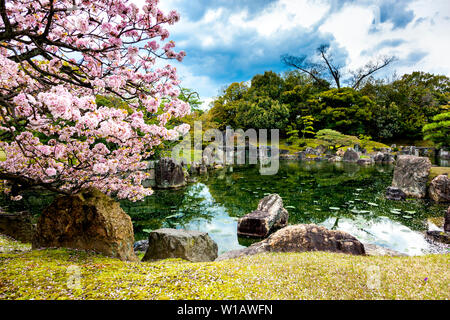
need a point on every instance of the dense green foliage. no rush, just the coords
(438, 131)
(383, 109)
(334, 139)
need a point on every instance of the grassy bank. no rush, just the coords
(43, 274)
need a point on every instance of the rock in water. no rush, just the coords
(439, 190)
(411, 175)
(190, 245)
(168, 174)
(269, 216)
(351, 155)
(365, 161)
(301, 238)
(89, 220)
(393, 193)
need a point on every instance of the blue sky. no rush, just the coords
(232, 40)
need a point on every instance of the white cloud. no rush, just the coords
(226, 42)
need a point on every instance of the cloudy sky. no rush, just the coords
(232, 40)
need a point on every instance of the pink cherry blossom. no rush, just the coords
(54, 60)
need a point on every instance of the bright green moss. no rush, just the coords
(43, 274)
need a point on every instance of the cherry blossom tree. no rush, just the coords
(56, 56)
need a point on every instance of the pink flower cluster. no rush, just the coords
(55, 58)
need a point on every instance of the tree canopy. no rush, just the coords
(82, 103)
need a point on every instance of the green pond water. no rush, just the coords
(342, 196)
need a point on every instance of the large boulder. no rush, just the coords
(381, 157)
(190, 245)
(89, 220)
(169, 174)
(411, 175)
(439, 190)
(269, 216)
(393, 193)
(301, 238)
(17, 225)
(351, 155)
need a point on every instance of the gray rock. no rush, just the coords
(17, 225)
(268, 217)
(388, 158)
(365, 161)
(381, 157)
(141, 246)
(393, 193)
(411, 175)
(301, 238)
(439, 190)
(321, 149)
(378, 157)
(351, 155)
(169, 174)
(190, 245)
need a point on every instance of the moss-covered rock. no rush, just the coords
(89, 220)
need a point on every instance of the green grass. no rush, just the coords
(44, 274)
(2, 155)
(436, 171)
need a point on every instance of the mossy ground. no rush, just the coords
(44, 274)
(436, 171)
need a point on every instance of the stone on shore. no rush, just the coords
(351, 155)
(411, 175)
(365, 161)
(169, 175)
(268, 217)
(439, 190)
(301, 238)
(89, 220)
(190, 245)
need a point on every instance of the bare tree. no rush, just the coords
(322, 66)
(370, 68)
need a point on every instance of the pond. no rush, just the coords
(342, 196)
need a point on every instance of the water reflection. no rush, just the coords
(342, 196)
(384, 232)
(220, 226)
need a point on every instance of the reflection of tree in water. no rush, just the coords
(308, 189)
